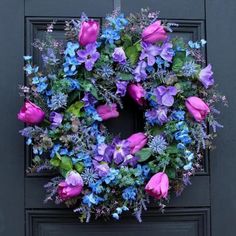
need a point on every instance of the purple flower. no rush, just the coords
(206, 77)
(89, 99)
(89, 56)
(101, 168)
(121, 150)
(158, 116)
(121, 88)
(140, 71)
(149, 51)
(130, 160)
(167, 52)
(165, 95)
(119, 55)
(55, 119)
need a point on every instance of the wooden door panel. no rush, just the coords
(175, 222)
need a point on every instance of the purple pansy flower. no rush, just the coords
(119, 55)
(121, 88)
(165, 95)
(55, 119)
(140, 71)
(149, 51)
(88, 56)
(157, 116)
(206, 77)
(167, 52)
(121, 150)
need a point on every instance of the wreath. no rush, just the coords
(83, 82)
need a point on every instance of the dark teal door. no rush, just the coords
(208, 207)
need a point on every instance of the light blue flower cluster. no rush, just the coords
(182, 135)
(116, 24)
(70, 59)
(40, 83)
(129, 193)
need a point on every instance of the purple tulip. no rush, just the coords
(119, 55)
(137, 142)
(55, 119)
(206, 76)
(154, 33)
(158, 186)
(197, 108)
(137, 92)
(107, 111)
(71, 187)
(88, 32)
(31, 113)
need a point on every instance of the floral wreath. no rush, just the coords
(83, 83)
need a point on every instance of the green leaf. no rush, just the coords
(156, 130)
(172, 149)
(127, 39)
(132, 53)
(66, 163)
(171, 173)
(75, 108)
(79, 167)
(125, 76)
(178, 61)
(55, 162)
(144, 154)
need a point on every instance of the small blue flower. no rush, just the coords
(91, 199)
(181, 146)
(92, 112)
(189, 69)
(71, 49)
(115, 216)
(110, 35)
(57, 101)
(178, 115)
(27, 58)
(96, 187)
(111, 176)
(188, 166)
(55, 149)
(158, 144)
(129, 193)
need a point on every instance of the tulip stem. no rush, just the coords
(164, 169)
(138, 42)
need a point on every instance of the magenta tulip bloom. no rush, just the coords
(206, 77)
(107, 111)
(88, 32)
(137, 142)
(31, 113)
(154, 33)
(71, 187)
(137, 92)
(197, 108)
(158, 186)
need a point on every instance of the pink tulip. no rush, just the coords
(137, 92)
(137, 142)
(71, 187)
(31, 114)
(158, 186)
(88, 32)
(197, 108)
(154, 33)
(107, 111)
